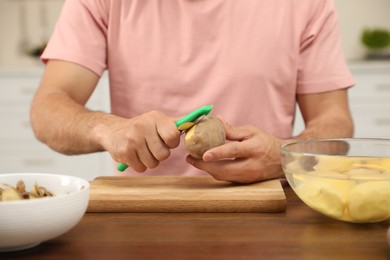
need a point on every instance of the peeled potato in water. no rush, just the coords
(338, 164)
(370, 201)
(323, 197)
(364, 174)
(381, 164)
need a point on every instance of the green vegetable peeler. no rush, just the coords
(182, 125)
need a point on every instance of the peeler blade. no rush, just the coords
(187, 125)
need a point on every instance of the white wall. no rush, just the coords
(354, 16)
(11, 27)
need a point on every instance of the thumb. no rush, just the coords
(238, 133)
(233, 133)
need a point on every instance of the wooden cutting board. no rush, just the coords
(183, 194)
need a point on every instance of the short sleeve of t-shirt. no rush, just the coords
(321, 62)
(85, 47)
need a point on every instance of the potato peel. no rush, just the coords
(10, 193)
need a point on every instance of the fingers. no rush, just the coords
(238, 148)
(159, 142)
(131, 159)
(142, 142)
(238, 133)
(251, 155)
(151, 158)
(232, 150)
(168, 132)
(237, 170)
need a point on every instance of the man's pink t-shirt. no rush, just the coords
(247, 58)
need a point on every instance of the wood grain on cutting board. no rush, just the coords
(183, 194)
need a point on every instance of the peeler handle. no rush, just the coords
(205, 110)
(122, 167)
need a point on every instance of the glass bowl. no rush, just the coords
(346, 179)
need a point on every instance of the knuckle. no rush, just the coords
(134, 164)
(172, 139)
(162, 154)
(154, 114)
(137, 125)
(121, 154)
(138, 168)
(153, 164)
(234, 150)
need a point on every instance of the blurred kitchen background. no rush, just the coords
(29, 23)
(26, 25)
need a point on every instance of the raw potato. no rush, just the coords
(323, 197)
(349, 189)
(203, 136)
(295, 167)
(370, 201)
(364, 174)
(334, 164)
(382, 164)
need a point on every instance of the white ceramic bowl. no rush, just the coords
(27, 223)
(346, 179)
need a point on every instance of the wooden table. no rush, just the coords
(298, 233)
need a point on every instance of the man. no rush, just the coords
(253, 60)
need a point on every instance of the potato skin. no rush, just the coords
(203, 136)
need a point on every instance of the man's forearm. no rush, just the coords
(327, 126)
(65, 125)
(326, 114)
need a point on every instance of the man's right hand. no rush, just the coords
(141, 142)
